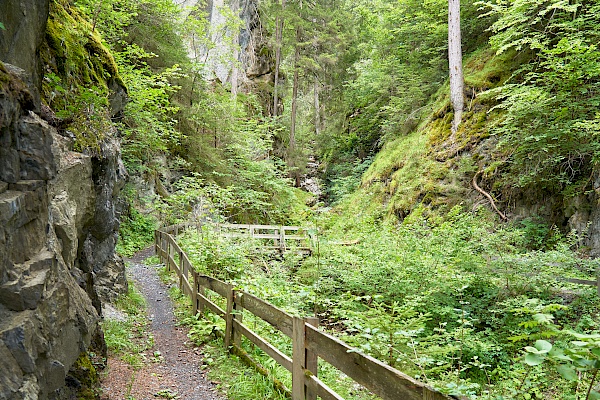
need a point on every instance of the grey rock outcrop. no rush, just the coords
(25, 24)
(46, 319)
(58, 226)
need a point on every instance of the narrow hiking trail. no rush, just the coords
(173, 366)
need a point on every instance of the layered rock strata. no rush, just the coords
(58, 228)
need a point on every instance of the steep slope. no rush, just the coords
(428, 167)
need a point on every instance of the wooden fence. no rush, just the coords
(308, 343)
(271, 236)
(274, 236)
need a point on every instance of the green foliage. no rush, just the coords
(575, 357)
(2, 26)
(441, 297)
(148, 123)
(218, 256)
(549, 129)
(136, 232)
(78, 71)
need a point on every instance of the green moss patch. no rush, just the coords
(78, 69)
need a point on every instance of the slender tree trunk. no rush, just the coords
(294, 111)
(278, 44)
(455, 63)
(317, 106)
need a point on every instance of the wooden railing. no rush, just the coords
(308, 343)
(272, 236)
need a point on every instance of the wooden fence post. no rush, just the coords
(229, 315)
(281, 238)
(156, 242)
(195, 291)
(298, 359)
(168, 262)
(238, 306)
(179, 253)
(311, 359)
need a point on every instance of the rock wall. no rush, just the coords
(255, 57)
(58, 227)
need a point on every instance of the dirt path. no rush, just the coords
(178, 372)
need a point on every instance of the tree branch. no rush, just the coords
(487, 195)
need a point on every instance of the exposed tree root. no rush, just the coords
(487, 195)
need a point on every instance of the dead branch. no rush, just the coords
(487, 195)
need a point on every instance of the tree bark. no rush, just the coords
(292, 145)
(317, 106)
(294, 111)
(455, 63)
(278, 44)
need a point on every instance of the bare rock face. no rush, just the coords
(25, 23)
(46, 319)
(58, 229)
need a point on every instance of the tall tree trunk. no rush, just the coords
(292, 145)
(317, 106)
(455, 63)
(278, 44)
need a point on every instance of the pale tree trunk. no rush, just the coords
(455, 63)
(278, 45)
(294, 111)
(292, 145)
(317, 106)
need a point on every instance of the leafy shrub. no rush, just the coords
(135, 232)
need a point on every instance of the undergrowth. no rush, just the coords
(129, 339)
(448, 297)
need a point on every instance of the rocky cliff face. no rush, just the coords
(254, 56)
(58, 228)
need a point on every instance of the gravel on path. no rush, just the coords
(178, 370)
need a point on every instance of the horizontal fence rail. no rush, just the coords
(279, 237)
(308, 343)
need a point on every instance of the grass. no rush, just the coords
(129, 339)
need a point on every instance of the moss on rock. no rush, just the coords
(86, 375)
(79, 71)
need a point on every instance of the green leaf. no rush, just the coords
(579, 343)
(596, 352)
(2, 26)
(567, 372)
(543, 346)
(533, 359)
(533, 350)
(594, 395)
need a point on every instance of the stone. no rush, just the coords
(11, 375)
(18, 342)
(32, 291)
(55, 377)
(10, 206)
(110, 280)
(10, 295)
(35, 149)
(27, 186)
(25, 26)
(10, 165)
